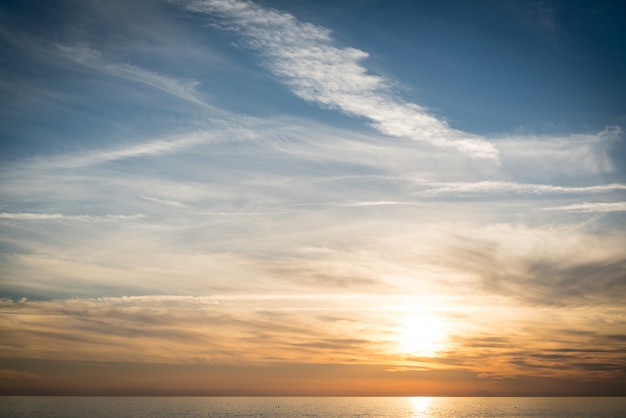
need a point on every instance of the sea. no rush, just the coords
(287, 407)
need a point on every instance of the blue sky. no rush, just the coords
(488, 67)
(182, 179)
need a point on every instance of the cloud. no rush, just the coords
(37, 166)
(10, 374)
(21, 216)
(546, 15)
(248, 330)
(598, 207)
(84, 56)
(357, 301)
(504, 187)
(550, 266)
(573, 158)
(168, 329)
(92, 59)
(153, 148)
(304, 57)
(541, 16)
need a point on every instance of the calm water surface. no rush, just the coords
(140, 407)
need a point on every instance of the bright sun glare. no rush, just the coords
(422, 335)
(420, 404)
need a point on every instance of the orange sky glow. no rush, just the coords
(341, 344)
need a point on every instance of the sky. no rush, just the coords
(365, 197)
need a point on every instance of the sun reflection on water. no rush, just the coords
(419, 405)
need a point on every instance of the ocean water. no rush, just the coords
(363, 407)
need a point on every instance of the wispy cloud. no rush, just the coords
(146, 149)
(25, 216)
(574, 157)
(11, 374)
(598, 207)
(93, 59)
(166, 329)
(305, 57)
(376, 203)
(500, 187)
(549, 265)
(322, 299)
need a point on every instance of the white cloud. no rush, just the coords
(91, 58)
(376, 203)
(598, 207)
(571, 157)
(26, 216)
(304, 56)
(149, 148)
(214, 299)
(500, 187)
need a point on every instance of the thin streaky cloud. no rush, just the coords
(591, 207)
(92, 59)
(27, 216)
(212, 299)
(149, 148)
(498, 187)
(377, 203)
(304, 57)
(11, 374)
(404, 303)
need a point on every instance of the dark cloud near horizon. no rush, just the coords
(540, 277)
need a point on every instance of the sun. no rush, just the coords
(422, 335)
